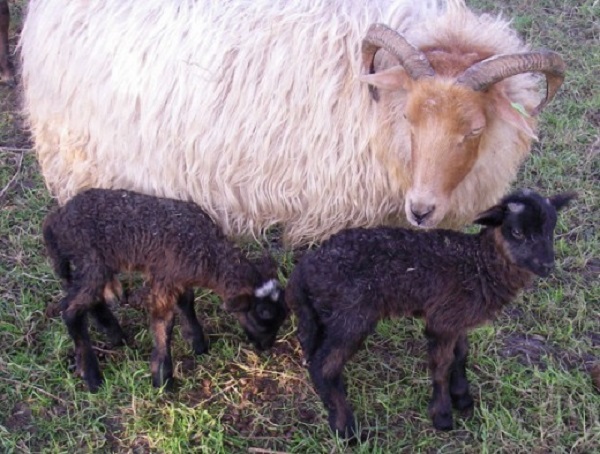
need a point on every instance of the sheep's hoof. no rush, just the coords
(442, 421)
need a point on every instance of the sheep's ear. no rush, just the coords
(492, 217)
(559, 201)
(392, 79)
(240, 303)
(515, 115)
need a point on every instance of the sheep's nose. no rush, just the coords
(421, 211)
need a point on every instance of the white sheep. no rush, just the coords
(264, 112)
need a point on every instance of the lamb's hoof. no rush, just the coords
(464, 404)
(168, 384)
(116, 338)
(346, 432)
(93, 382)
(89, 369)
(442, 421)
(200, 347)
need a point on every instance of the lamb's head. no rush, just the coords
(525, 222)
(260, 314)
(449, 100)
(262, 310)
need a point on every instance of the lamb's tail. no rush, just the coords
(60, 263)
(309, 326)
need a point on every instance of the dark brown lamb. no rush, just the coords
(100, 233)
(455, 281)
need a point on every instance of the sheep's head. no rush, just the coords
(448, 112)
(526, 222)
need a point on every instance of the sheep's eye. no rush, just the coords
(475, 132)
(517, 234)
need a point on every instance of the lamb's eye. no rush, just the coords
(517, 234)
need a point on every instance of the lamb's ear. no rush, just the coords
(240, 303)
(492, 217)
(559, 201)
(266, 266)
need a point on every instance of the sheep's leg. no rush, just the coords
(162, 321)
(326, 368)
(191, 327)
(6, 73)
(104, 317)
(441, 357)
(459, 385)
(75, 306)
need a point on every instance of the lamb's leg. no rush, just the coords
(75, 307)
(191, 327)
(441, 357)
(162, 320)
(104, 317)
(326, 368)
(459, 385)
(108, 323)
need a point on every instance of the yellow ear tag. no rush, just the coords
(519, 108)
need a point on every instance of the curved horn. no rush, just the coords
(494, 69)
(412, 59)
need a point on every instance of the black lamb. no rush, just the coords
(455, 281)
(176, 245)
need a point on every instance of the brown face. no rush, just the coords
(446, 125)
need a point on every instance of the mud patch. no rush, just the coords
(593, 116)
(591, 268)
(20, 419)
(140, 446)
(537, 351)
(114, 429)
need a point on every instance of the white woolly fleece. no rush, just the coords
(250, 108)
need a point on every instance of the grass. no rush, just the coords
(531, 371)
